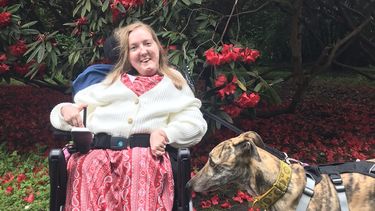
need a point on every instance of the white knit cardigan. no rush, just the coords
(118, 111)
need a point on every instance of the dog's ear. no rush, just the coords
(254, 137)
(248, 149)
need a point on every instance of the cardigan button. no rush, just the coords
(130, 120)
(136, 101)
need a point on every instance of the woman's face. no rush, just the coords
(143, 52)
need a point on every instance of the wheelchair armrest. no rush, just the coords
(58, 179)
(184, 168)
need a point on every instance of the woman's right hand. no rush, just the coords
(71, 114)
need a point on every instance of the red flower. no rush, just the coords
(5, 19)
(3, 57)
(18, 49)
(8, 190)
(244, 196)
(21, 177)
(220, 80)
(3, 3)
(215, 200)
(226, 205)
(237, 199)
(206, 204)
(248, 101)
(212, 57)
(4, 68)
(100, 41)
(81, 21)
(29, 198)
(249, 55)
(8, 177)
(253, 209)
(21, 69)
(231, 110)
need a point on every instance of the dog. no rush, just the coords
(245, 161)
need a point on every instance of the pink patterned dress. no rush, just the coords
(130, 179)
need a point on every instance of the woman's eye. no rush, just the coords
(133, 48)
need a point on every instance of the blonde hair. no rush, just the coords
(123, 64)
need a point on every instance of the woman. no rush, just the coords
(141, 97)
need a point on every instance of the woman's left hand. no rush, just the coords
(158, 142)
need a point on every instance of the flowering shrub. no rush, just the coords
(237, 88)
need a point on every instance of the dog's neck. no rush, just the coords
(269, 184)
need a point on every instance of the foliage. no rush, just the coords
(24, 181)
(55, 54)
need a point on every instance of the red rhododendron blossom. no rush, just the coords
(3, 3)
(231, 110)
(8, 190)
(115, 12)
(129, 3)
(29, 198)
(226, 205)
(248, 100)
(253, 209)
(220, 80)
(4, 68)
(8, 177)
(215, 200)
(81, 21)
(5, 19)
(212, 57)
(21, 69)
(250, 55)
(18, 49)
(237, 199)
(229, 53)
(244, 196)
(100, 41)
(206, 204)
(229, 89)
(3, 57)
(21, 177)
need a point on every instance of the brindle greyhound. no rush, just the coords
(244, 160)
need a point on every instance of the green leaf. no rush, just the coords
(241, 85)
(76, 57)
(87, 6)
(75, 11)
(41, 53)
(31, 57)
(105, 5)
(48, 47)
(187, 2)
(13, 9)
(197, 1)
(29, 31)
(29, 24)
(258, 87)
(53, 59)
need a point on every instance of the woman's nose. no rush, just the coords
(143, 49)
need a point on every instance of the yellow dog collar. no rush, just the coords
(277, 190)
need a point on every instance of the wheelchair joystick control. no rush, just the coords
(82, 139)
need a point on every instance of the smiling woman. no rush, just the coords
(143, 102)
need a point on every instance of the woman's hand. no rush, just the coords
(158, 142)
(71, 114)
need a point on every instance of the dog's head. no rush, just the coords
(228, 162)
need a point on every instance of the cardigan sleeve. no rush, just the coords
(86, 96)
(187, 126)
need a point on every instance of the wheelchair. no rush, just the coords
(58, 177)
